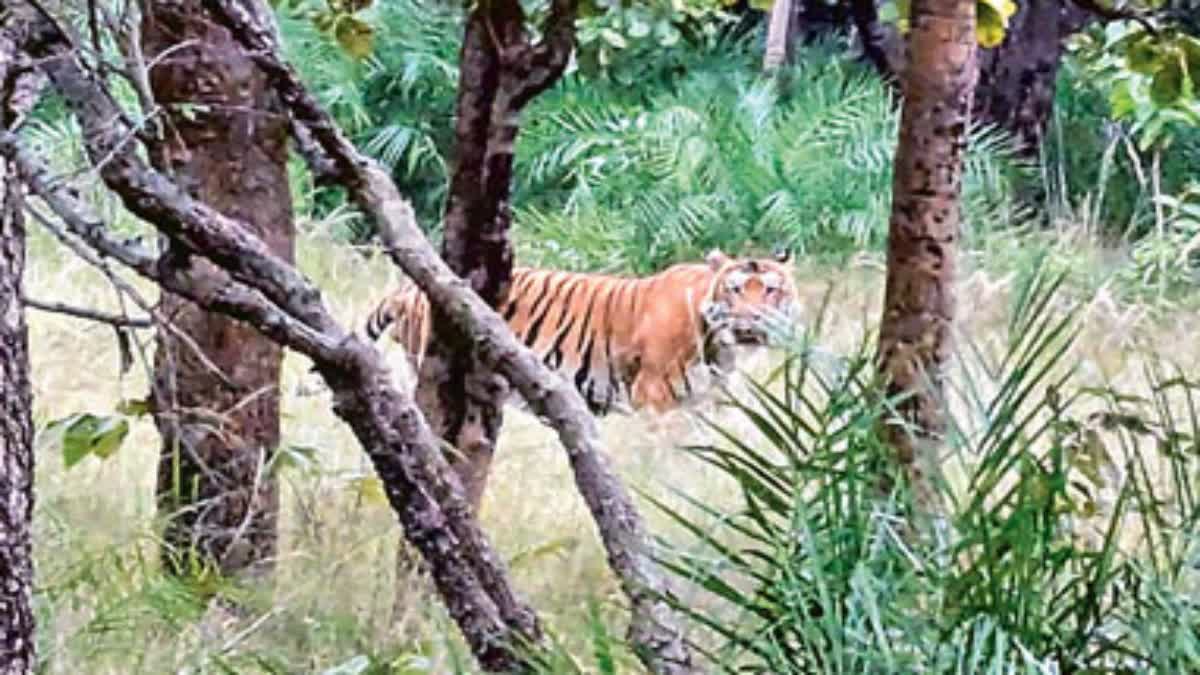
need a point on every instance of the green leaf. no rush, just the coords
(1120, 100)
(1191, 55)
(369, 489)
(86, 434)
(889, 13)
(132, 407)
(1143, 56)
(989, 26)
(613, 38)
(355, 36)
(1003, 8)
(1167, 86)
(904, 12)
(666, 32)
(107, 439)
(638, 26)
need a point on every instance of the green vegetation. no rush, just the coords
(1072, 505)
(1069, 537)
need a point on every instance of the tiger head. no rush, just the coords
(756, 298)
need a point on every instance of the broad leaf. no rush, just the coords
(1168, 83)
(86, 434)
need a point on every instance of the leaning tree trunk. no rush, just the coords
(17, 647)
(914, 338)
(217, 407)
(1017, 79)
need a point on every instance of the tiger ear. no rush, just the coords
(783, 255)
(716, 259)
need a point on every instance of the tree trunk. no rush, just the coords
(17, 646)
(776, 52)
(226, 142)
(1017, 79)
(499, 72)
(915, 338)
(460, 402)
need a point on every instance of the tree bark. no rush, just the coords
(923, 232)
(776, 52)
(227, 145)
(17, 642)
(1017, 79)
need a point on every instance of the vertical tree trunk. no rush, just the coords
(776, 52)
(914, 338)
(500, 71)
(462, 404)
(17, 653)
(226, 142)
(1017, 79)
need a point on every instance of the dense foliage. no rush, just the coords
(704, 151)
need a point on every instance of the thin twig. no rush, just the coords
(116, 320)
(141, 262)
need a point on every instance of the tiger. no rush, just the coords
(628, 343)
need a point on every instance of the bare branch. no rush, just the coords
(544, 63)
(127, 254)
(115, 320)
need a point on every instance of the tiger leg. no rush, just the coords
(652, 390)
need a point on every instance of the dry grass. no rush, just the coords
(102, 606)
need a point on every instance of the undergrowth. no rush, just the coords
(1067, 541)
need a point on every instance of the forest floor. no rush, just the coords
(104, 608)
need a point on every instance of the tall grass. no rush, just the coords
(1069, 535)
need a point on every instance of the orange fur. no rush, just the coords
(625, 341)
